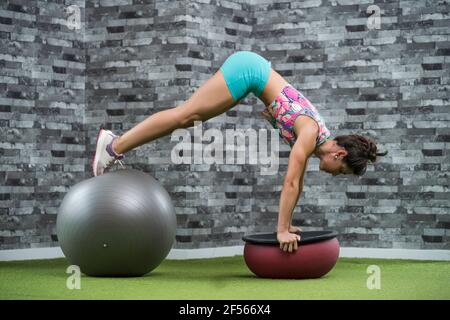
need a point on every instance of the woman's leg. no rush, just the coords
(208, 101)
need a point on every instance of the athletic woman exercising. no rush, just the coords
(298, 121)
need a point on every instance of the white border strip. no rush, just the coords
(31, 254)
(204, 253)
(378, 253)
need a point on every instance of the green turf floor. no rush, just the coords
(228, 278)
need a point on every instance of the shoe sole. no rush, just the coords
(95, 160)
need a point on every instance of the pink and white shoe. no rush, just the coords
(104, 154)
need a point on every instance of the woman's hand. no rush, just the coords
(293, 229)
(287, 240)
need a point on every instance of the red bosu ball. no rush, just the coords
(316, 255)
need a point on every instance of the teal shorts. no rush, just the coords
(245, 72)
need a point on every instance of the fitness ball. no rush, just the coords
(121, 223)
(317, 253)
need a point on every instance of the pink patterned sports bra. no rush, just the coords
(286, 107)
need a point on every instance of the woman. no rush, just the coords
(299, 124)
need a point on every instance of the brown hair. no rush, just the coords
(360, 149)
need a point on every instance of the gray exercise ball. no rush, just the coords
(121, 223)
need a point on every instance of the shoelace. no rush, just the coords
(113, 162)
(120, 162)
(116, 158)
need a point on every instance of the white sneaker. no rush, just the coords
(104, 154)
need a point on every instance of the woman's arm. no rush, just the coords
(302, 179)
(291, 187)
(293, 184)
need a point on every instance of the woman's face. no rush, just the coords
(333, 164)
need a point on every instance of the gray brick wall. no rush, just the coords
(391, 84)
(42, 105)
(132, 58)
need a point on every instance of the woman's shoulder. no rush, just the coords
(306, 123)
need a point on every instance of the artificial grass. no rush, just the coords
(228, 278)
